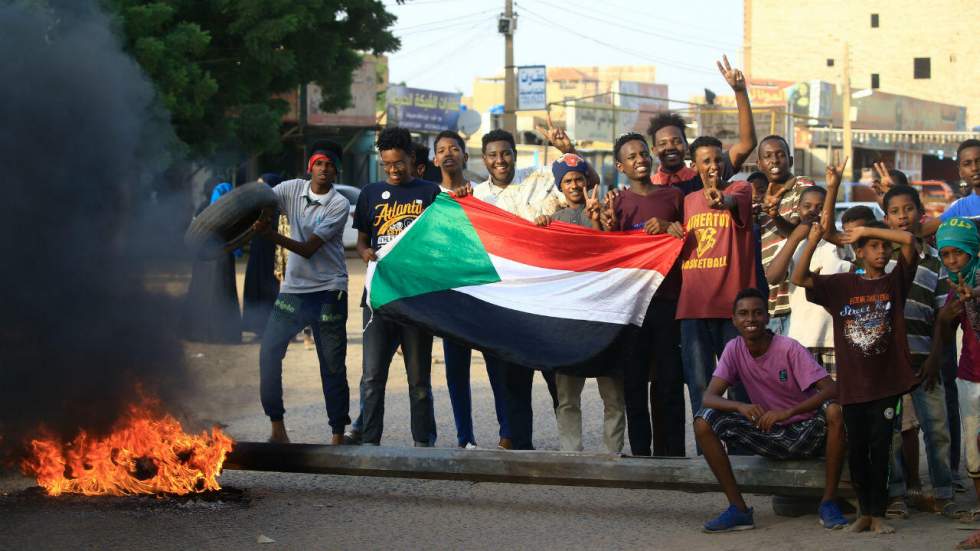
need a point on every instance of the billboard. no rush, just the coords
(423, 110)
(363, 90)
(640, 98)
(532, 84)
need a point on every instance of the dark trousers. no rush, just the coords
(952, 408)
(381, 340)
(458, 381)
(326, 313)
(869, 436)
(517, 384)
(655, 348)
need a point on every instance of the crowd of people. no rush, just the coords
(795, 339)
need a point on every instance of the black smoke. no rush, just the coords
(82, 142)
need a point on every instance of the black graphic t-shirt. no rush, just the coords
(870, 342)
(383, 211)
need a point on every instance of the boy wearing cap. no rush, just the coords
(571, 173)
(313, 291)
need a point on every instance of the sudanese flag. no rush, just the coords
(544, 298)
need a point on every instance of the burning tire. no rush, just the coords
(227, 224)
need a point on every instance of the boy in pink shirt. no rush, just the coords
(791, 413)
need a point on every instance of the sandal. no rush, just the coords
(951, 510)
(897, 508)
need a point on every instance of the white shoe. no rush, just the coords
(470, 446)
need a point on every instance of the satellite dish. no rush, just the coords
(469, 121)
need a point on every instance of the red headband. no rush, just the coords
(316, 157)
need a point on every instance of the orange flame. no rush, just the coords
(146, 453)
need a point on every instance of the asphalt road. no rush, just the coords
(341, 512)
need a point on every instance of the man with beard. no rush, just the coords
(670, 142)
(778, 219)
(530, 194)
(653, 209)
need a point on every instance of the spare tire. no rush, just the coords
(227, 223)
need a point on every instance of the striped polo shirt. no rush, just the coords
(925, 298)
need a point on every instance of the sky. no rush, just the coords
(446, 44)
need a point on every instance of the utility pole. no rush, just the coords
(848, 152)
(510, 83)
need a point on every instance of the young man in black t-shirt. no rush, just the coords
(385, 209)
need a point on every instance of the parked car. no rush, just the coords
(936, 196)
(350, 234)
(839, 209)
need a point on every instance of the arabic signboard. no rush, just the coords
(363, 90)
(532, 83)
(423, 110)
(597, 124)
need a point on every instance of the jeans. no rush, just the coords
(517, 383)
(381, 340)
(949, 367)
(930, 408)
(458, 381)
(702, 342)
(779, 325)
(326, 313)
(655, 351)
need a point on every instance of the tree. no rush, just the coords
(219, 64)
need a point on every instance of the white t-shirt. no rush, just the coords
(530, 194)
(810, 324)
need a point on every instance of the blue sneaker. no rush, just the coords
(731, 519)
(830, 516)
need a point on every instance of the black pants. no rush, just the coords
(869, 436)
(518, 382)
(655, 347)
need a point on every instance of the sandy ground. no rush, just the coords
(338, 512)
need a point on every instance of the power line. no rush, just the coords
(642, 30)
(439, 62)
(545, 21)
(442, 22)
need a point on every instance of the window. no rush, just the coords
(923, 67)
(830, 62)
(874, 20)
(875, 83)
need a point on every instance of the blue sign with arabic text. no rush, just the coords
(423, 110)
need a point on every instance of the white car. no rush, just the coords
(839, 209)
(350, 234)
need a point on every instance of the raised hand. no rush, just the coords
(556, 136)
(835, 173)
(592, 206)
(851, 235)
(733, 77)
(715, 198)
(772, 199)
(884, 182)
(608, 218)
(816, 231)
(963, 290)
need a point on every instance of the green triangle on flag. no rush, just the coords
(439, 251)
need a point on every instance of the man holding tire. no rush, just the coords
(314, 290)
